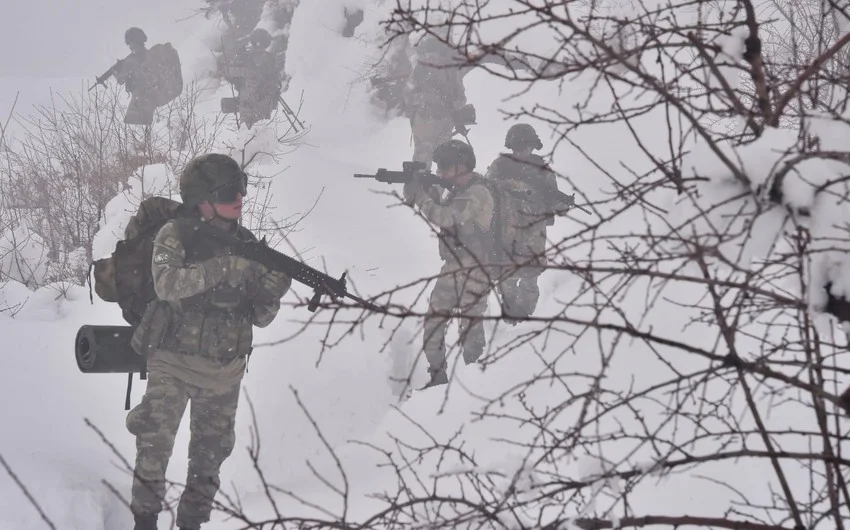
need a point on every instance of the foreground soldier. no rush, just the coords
(528, 176)
(464, 217)
(196, 337)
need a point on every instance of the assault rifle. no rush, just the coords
(107, 74)
(409, 170)
(321, 283)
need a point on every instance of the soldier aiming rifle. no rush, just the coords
(152, 77)
(410, 170)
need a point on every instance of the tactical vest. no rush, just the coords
(470, 243)
(216, 323)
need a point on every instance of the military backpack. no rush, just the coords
(161, 75)
(125, 277)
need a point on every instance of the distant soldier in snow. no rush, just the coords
(254, 76)
(152, 76)
(464, 217)
(129, 73)
(528, 183)
(436, 97)
(435, 94)
(353, 18)
(242, 17)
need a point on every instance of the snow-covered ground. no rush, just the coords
(356, 226)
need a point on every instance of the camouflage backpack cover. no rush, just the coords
(503, 227)
(161, 75)
(518, 190)
(125, 277)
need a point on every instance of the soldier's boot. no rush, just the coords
(145, 521)
(519, 302)
(509, 296)
(438, 377)
(473, 340)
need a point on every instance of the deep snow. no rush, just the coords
(357, 227)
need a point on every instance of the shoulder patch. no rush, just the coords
(162, 257)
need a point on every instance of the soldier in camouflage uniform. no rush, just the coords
(464, 217)
(256, 78)
(527, 177)
(436, 94)
(142, 107)
(196, 337)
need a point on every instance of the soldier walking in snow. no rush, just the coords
(152, 77)
(529, 183)
(196, 337)
(464, 217)
(436, 97)
(129, 73)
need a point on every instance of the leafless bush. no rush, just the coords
(71, 157)
(683, 344)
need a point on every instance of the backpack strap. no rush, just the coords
(497, 244)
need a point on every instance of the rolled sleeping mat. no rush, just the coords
(107, 350)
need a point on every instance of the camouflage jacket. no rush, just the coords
(464, 216)
(436, 91)
(435, 86)
(253, 67)
(129, 72)
(191, 315)
(527, 178)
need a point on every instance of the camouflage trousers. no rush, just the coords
(518, 288)
(155, 421)
(428, 133)
(520, 292)
(256, 106)
(461, 294)
(140, 111)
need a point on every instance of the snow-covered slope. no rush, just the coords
(359, 227)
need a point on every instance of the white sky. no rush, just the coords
(93, 37)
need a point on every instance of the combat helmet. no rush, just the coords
(135, 35)
(260, 38)
(522, 135)
(212, 177)
(454, 152)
